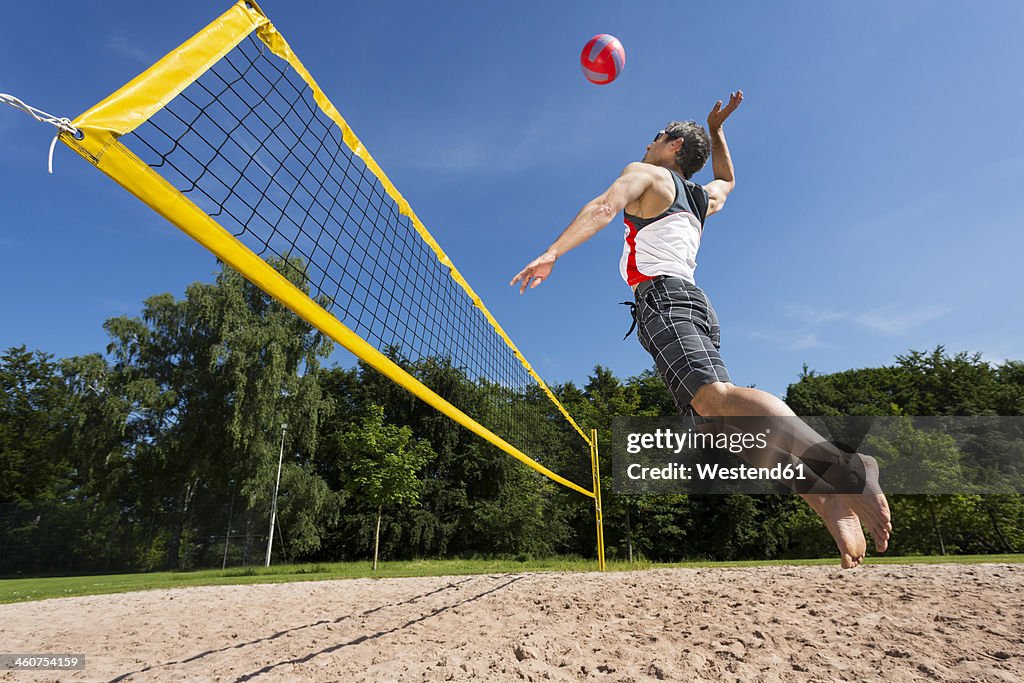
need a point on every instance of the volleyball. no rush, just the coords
(602, 59)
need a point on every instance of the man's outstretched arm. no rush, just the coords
(595, 214)
(721, 163)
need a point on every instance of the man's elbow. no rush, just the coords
(603, 211)
(724, 189)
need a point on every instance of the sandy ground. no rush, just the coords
(882, 622)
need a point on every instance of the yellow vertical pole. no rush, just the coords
(595, 468)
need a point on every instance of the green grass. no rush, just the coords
(24, 590)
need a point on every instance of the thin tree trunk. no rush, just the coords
(227, 534)
(150, 533)
(280, 537)
(629, 536)
(376, 537)
(174, 553)
(935, 525)
(247, 548)
(110, 545)
(999, 532)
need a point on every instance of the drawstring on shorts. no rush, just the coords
(632, 312)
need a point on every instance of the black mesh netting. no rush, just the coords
(248, 144)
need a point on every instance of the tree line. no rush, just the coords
(162, 453)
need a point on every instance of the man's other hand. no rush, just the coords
(535, 272)
(718, 115)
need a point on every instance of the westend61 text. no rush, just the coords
(667, 439)
(714, 472)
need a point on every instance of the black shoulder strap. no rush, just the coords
(696, 196)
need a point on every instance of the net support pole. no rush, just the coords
(598, 515)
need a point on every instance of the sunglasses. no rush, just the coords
(663, 132)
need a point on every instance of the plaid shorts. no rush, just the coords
(679, 328)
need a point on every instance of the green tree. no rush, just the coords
(30, 423)
(36, 506)
(96, 445)
(382, 462)
(208, 378)
(936, 383)
(927, 464)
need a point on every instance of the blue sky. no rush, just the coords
(879, 158)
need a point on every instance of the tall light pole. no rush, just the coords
(273, 507)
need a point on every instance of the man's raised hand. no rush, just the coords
(535, 272)
(718, 115)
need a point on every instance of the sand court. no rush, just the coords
(891, 622)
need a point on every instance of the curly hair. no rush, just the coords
(696, 145)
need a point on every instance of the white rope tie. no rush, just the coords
(63, 124)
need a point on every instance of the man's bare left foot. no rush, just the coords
(844, 525)
(871, 505)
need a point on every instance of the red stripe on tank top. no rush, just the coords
(633, 274)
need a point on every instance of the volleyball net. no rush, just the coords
(231, 140)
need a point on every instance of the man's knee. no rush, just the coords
(710, 398)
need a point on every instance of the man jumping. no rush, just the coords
(664, 214)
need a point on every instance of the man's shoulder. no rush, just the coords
(662, 173)
(652, 170)
(683, 180)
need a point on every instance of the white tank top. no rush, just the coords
(666, 244)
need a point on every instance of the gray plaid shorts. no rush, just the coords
(679, 328)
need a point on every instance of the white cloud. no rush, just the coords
(810, 316)
(889, 320)
(790, 342)
(998, 358)
(469, 155)
(499, 141)
(118, 306)
(119, 44)
(994, 350)
(808, 328)
(893, 320)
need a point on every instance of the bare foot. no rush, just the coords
(844, 525)
(871, 506)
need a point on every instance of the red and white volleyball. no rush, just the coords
(602, 59)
